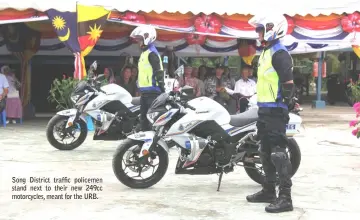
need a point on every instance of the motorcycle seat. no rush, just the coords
(244, 118)
(135, 101)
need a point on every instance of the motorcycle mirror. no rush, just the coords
(92, 69)
(100, 77)
(180, 71)
(175, 85)
(94, 65)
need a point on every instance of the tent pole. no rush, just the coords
(318, 103)
(180, 58)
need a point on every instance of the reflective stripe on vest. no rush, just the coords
(146, 78)
(268, 86)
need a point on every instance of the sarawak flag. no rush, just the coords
(64, 24)
(90, 25)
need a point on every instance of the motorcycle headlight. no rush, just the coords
(74, 98)
(152, 116)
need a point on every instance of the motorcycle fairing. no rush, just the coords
(147, 137)
(71, 113)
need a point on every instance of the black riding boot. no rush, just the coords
(266, 195)
(281, 204)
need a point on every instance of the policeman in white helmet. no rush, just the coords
(151, 73)
(275, 91)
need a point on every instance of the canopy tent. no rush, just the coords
(306, 33)
(229, 7)
(220, 28)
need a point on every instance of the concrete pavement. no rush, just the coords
(326, 185)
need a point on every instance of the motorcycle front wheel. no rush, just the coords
(126, 159)
(256, 172)
(57, 125)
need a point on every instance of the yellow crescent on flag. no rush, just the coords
(66, 37)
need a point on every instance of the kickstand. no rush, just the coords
(220, 178)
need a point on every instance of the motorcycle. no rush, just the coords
(209, 140)
(112, 108)
(339, 91)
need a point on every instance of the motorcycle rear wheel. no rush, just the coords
(295, 158)
(119, 169)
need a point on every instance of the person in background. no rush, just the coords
(126, 81)
(203, 73)
(134, 73)
(189, 80)
(244, 88)
(134, 78)
(251, 73)
(214, 84)
(109, 75)
(230, 80)
(4, 89)
(14, 108)
(215, 89)
(151, 80)
(211, 72)
(200, 83)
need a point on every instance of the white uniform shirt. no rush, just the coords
(246, 88)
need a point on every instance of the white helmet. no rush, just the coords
(274, 26)
(145, 32)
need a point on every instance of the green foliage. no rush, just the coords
(60, 92)
(355, 90)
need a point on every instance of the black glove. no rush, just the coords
(159, 77)
(162, 87)
(287, 93)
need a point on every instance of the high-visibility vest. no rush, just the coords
(268, 86)
(146, 77)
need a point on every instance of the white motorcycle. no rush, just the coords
(209, 141)
(114, 110)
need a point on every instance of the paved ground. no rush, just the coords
(325, 187)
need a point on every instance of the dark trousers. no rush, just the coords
(243, 104)
(146, 100)
(272, 132)
(229, 104)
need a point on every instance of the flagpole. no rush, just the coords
(77, 36)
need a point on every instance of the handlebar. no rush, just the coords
(186, 105)
(175, 98)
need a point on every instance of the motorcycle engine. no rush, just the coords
(220, 156)
(205, 160)
(223, 152)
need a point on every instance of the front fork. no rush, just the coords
(149, 153)
(72, 120)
